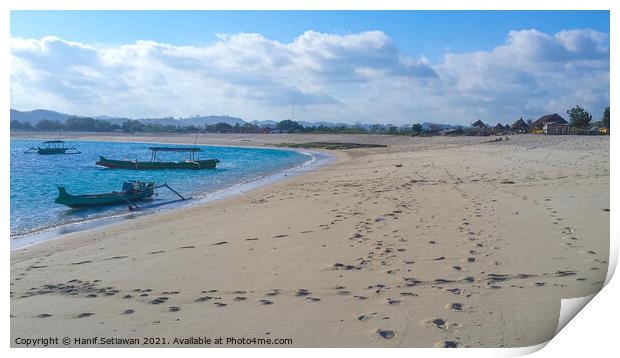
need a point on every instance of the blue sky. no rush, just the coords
(428, 33)
(418, 58)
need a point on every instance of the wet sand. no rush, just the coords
(428, 242)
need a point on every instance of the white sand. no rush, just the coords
(466, 242)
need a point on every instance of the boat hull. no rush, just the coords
(114, 198)
(135, 165)
(49, 151)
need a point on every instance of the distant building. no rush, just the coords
(556, 128)
(520, 126)
(499, 128)
(479, 124)
(555, 118)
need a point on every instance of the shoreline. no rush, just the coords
(37, 236)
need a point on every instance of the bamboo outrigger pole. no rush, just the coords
(165, 185)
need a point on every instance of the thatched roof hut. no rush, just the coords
(499, 127)
(548, 119)
(507, 127)
(479, 124)
(520, 124)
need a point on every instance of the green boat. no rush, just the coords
(189, 162)
(132, 191)
(53, 147)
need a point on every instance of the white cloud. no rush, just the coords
(355, 77)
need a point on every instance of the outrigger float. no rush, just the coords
(53, 147)
(189, 162)
(131, 192)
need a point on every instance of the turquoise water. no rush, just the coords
(34, 178)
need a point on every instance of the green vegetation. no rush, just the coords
(77, 124)
(416, 129)
(605, 118)
(579, 117)
(289, 126)
(330, 145)
(580, 121)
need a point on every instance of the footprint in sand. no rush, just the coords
(159, 300)
(440, 323)
(456, 291)
(128, 311)
(81, 262)
(302, 292)
(44, 315)
(386, 333)
(455, 306)
(364, 317)
(116, 258)
(85, 314)
(447, 344)
(265, 302)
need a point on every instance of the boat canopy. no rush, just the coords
(175, 149)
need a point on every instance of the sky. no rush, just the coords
(398, 67)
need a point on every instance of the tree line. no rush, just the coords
(87, 124)
(579, 118)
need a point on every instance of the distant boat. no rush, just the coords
(53, 147)
(132, 191)
(190, 162)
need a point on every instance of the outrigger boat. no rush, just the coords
(190, 161)
(131, 192)
(53, 147)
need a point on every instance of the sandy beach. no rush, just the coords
(438, 241)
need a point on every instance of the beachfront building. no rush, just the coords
(479, 124)
(499, 129)
(480, 128)
(556, 128)
(553, 120)
(520, 126)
